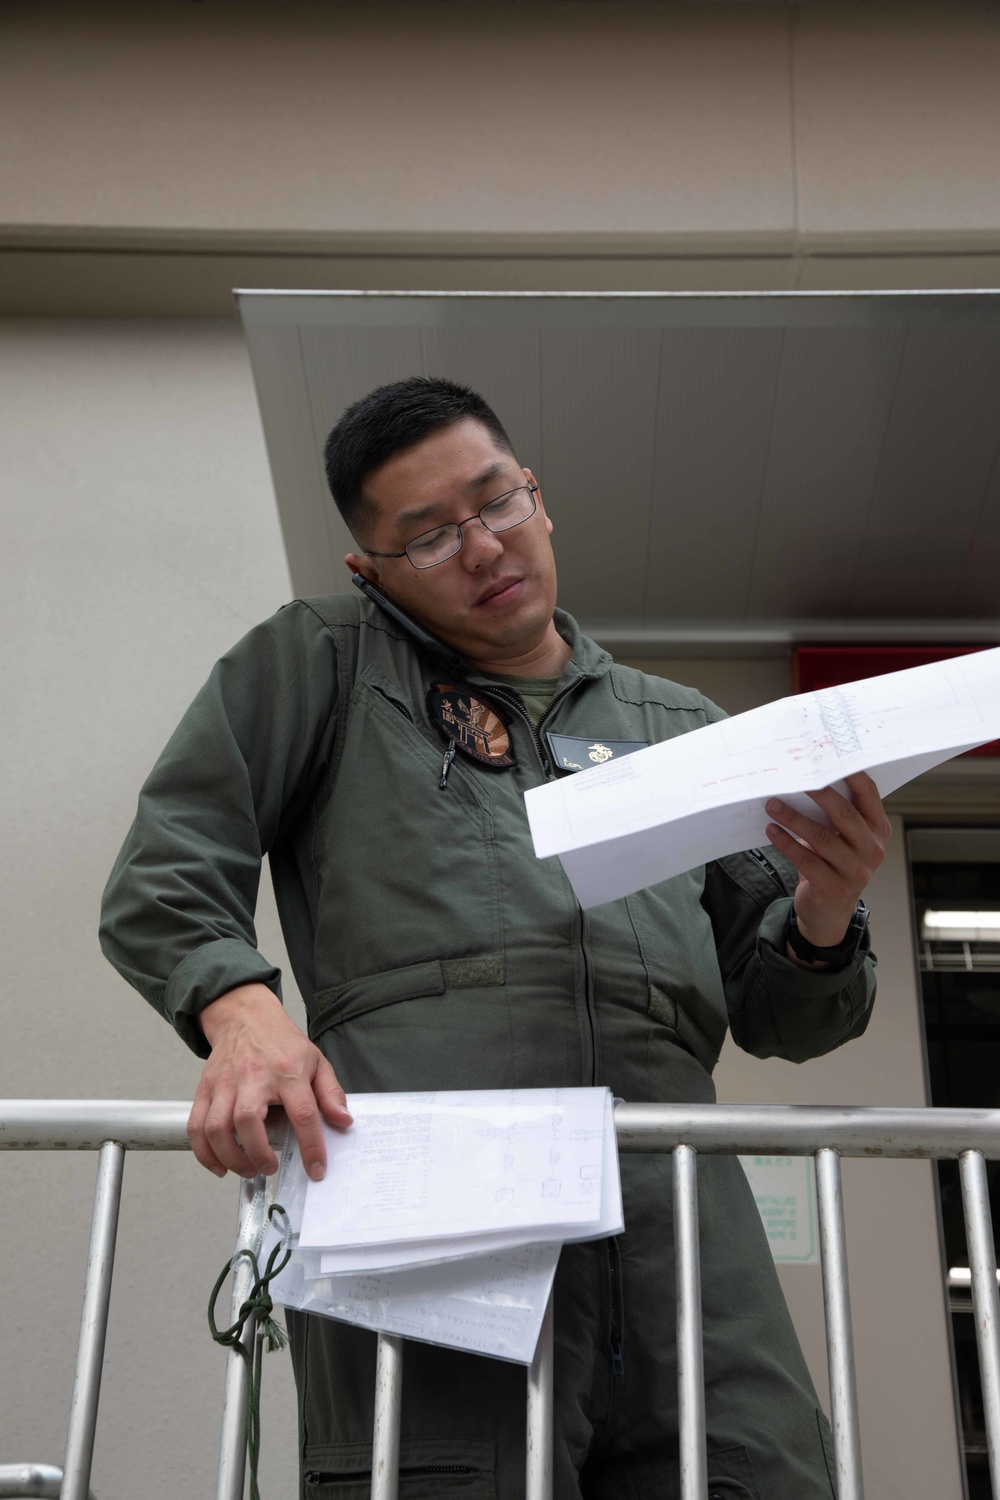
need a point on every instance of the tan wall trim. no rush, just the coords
(617, 244)
(199, 284)
(160, 154)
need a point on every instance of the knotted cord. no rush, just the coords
(268, 1335)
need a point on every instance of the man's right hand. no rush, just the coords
(260, 1058)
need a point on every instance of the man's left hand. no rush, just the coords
(835, 864)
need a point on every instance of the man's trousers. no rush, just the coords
(463, 1423)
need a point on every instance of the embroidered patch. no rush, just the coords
(478, 729)
(571, 753)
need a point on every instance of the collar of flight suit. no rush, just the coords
(588, 659)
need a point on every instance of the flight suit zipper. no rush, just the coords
(449, 754)
(588, 968)
(509, 696)
(608, 1406)
(617, 1310)
(768, 868)
(514, 701)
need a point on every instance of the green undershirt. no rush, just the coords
(537, 692)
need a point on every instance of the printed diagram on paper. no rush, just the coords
(398, 1254)
(874, 717)
(442, 1216)
(680, 803)
(484, 1161)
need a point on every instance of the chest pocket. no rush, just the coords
(408, 873)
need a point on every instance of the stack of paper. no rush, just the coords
(441, 1216)
(643, 818)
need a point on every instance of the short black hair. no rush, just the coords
(389, 420)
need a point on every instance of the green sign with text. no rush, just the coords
(784, 1188)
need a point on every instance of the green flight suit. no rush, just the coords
(434, 951)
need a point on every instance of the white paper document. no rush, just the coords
(658, 812)
(447, 1165)
(409, 1179)
(365, 1258)
(490, 1304)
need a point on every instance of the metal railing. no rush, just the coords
(827, 1134)
(111, 1127)
(971, 1136)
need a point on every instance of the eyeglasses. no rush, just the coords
(433, 547)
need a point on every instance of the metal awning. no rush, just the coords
(727, 472)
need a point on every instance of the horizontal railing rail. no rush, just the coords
(31, 1482)
(111, 1127)
(804, 1129)
(85, 1124)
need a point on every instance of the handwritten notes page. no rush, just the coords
(656, 813)
(441, 1216)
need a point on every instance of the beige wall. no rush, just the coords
(156, 155)
(140, 539)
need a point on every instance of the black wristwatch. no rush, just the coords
(840, 955)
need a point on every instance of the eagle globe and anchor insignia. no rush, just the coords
(478, 729)
(600, 753)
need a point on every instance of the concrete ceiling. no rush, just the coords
(727, 472)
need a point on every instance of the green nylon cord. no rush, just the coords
(267, 1334)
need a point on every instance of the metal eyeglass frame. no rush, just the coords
(478, 516)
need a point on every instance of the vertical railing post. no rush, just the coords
(985, 1297)
(93, 1323)
(233, 1441)
(839, 1335)
(388, 1411)
(541, 1398)
(690, 1357)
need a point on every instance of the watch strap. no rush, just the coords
(841, 953)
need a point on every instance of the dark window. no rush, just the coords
(960, 983)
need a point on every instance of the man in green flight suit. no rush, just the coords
(381, 765)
